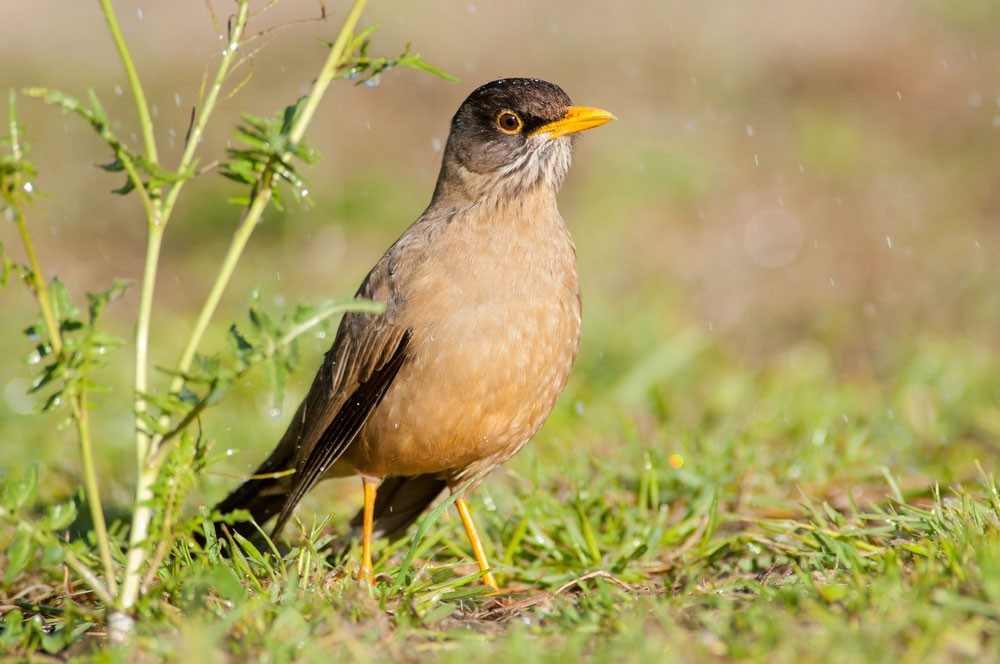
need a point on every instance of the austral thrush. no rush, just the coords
(481, 328)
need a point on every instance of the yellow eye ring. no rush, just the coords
(509, 122)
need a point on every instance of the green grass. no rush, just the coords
(805, 521)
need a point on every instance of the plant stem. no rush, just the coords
(35, 278)
(157, 218)
(149, 460)
(77, 397)
(141, 107)
(82, 418)
(337, 307)
(263, 193)
(145, 479)
(236, 246)
(208, 105)
(333, 62)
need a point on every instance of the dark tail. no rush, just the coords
(263, 498)
(400, 500)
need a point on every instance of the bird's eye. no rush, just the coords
(509, 122)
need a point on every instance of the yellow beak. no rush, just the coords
(577, 118)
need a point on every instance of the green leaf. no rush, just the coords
(115, 166)
(59, 516)
(18, 555)
(126, 188)
(416, 62)
(22, 491)
(224, 581)
(99, 300)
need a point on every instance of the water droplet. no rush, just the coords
(578, 408)
(229, 452)
(976, 242)
(833, 282)
(34, 357)
(899, 95)
(888, 241)
(373, 82)
(177, 99)
(118, 90)
(802, 168)
(756, 159)
(304, 192)
(138, 11)
(274, 412)
(436, 144)
(749, 130)
(28, 187)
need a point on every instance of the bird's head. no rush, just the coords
(510, 136)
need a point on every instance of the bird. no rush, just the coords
(480, 330)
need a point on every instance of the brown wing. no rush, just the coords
(359, 368)
(325, 445)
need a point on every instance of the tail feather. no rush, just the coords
(398, 503)
(263, 497)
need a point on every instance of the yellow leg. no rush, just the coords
(477, 545)
(367, 571)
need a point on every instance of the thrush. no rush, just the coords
(480, 329)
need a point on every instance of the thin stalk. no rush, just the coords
(78, 400)
(82, 418)
(198, 128)
(141, 515)
(38, 283)
(142, 510)
(236, 247)
(147, 472)
(141, 107)
(150, 461)
(263, 195)
(95, 584)
(333, 62)
(35, 276)
(317, 318)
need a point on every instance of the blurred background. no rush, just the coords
(798, 204)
